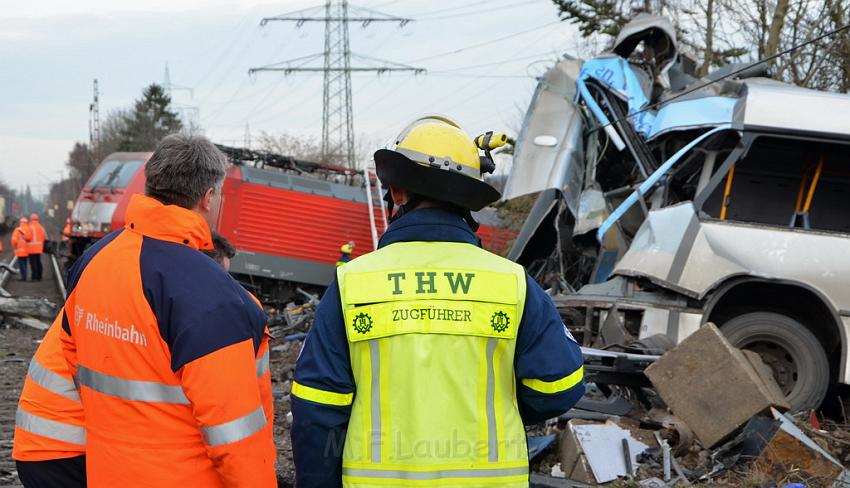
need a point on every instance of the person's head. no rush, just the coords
(433, 162)
(186, 171)
(23, 220)
(347, 248)
(222, 251)
(34, 217)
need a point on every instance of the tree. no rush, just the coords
(112, 131)
(81, 163)
(310, 149)
(604, 17)
(306, 148)
(150, 119)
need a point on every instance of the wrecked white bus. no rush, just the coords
(730, 204)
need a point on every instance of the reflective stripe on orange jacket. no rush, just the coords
(20, 239)
(164, 344)
(49, 421)
(37, 238)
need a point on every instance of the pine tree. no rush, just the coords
(149, 121)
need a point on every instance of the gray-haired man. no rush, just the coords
(163, 341)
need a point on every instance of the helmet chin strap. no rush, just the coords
(414, 202)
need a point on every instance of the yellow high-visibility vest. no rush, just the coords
(432, 330)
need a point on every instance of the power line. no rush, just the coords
(223, 50)
(486, 43)
(494, 63)
(477, 12)
(462, 89)
(456, 7)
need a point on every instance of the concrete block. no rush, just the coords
(573, 462)
(713, 386)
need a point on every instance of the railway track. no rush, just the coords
(17, 345)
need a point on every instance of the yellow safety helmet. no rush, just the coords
(346, 248)
(435, 158)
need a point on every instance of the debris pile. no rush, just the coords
(27, 311)
(295, 319)
(708, 414)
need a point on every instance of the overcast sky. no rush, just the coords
(51, 50)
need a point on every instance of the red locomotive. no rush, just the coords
(286, 217)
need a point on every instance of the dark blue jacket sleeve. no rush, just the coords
(547, 360)
(318, 429)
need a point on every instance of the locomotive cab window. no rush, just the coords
(114, 173)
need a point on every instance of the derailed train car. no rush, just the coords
(287, 218)
(667, 202)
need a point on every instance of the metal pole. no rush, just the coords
(5, 275)
(60, 282)
(371, 209)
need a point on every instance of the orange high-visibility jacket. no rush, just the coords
(20, 240)
(164, 345)
(37, 238)
(66, 232)
(49, 421)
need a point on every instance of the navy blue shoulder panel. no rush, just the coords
(198, 306)
(80, 265)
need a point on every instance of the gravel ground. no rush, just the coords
(17, 346)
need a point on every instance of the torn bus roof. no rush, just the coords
(551, 152)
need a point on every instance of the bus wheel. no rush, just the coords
(789, 349)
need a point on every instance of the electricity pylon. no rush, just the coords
(337, 114)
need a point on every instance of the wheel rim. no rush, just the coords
(779, 358)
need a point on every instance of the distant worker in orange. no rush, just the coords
(49, 448)
(20, 243)
(36, 246)
(66, 231)
(163, 342)
(345, 250)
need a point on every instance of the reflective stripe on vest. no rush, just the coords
(235, 430)
(142, 391)
(427, 322)
(321, 396)
(435, 475)
(51, 429)
(557, 386)
(263, 364)
(54, 382)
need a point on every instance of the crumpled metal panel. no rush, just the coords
(813, 111)
(627, 83)
(552, 115)
(653, 29)
(675, 248)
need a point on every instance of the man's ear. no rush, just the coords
(206, 200)
(400, 197)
